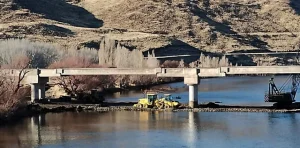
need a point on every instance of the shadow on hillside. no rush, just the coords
(176, 47)
(227, 30)
(295, 4)
(62, 11)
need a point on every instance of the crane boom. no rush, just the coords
(276, 95)
(295, 84)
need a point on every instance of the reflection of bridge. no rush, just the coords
(39, 77)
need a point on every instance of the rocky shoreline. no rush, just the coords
(98, 108)
(35, 109)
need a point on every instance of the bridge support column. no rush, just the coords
(192, 81)
(34, 92)
(42, 91)
(193, 95)
(38, 91)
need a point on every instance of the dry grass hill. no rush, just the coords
(210, 25)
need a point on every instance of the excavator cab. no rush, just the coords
(168, 102)
(168, 97)
(151, 98)
(147, 102)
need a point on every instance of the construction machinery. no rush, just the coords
(148, 101)
(168, 102)
(279, 96)
(151, 100)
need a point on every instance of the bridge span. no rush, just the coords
(39, 77)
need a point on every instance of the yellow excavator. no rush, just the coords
(168, 102)
(151, 100)
(148, 101)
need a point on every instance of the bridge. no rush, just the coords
(38, 78)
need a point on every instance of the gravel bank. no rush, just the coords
(62, 108)
(34, 109)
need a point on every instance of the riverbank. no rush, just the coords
(34, 109)
(61, 108)
(127, 106)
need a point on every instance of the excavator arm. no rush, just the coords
(278, 95)
(272, 87)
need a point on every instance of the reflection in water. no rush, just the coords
(192, 129)
(153, 129)
(165, 129)
(36, 123)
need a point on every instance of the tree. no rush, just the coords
(151, 61)
(12, 92)
(181, 64)
(74, 85)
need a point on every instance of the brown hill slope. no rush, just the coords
(215, 26)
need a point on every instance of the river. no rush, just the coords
(165, 129)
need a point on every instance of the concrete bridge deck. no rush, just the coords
(164, 72)
(39, 77)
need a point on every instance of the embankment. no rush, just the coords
(127, 106)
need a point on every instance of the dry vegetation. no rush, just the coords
(44, 55)
(73, 85)
(14, 53)
(210, 61)
(41, 54)
(12, 92)
(214, 26)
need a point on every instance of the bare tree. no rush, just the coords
(12, 92)
(74, 85)
(152, 62)
(107, 52)
(40, 54)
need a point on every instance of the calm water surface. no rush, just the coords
(229, 90)
(165, 129)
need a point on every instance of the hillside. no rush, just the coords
(213, 26)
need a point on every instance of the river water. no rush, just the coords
(166, 129)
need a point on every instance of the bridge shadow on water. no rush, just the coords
(62, 11)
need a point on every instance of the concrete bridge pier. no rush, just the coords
(38, 85)
(38, 91)
(193, 95)
(34, 92)
(192, 80)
